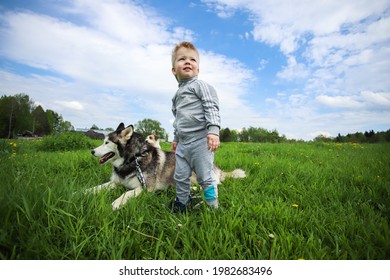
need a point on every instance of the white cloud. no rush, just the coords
(222, 9)
(365, 100)
(376, 99)
(337, 58)
(231, 88)
(110, 62)
(339, 37)
(262, 64)
(340, 101)
(86, 54)
(285, 23)
(123, 21)
(293, 70)
(74, 105)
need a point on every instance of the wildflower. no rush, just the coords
(13, 145)
(295, 205)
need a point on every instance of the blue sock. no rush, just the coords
(210, 196)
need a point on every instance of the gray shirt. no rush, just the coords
(196, 110)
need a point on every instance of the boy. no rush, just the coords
(197, 124)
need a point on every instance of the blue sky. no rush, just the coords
(301, 67)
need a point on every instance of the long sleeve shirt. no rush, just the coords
(196, 110)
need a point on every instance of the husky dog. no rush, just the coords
(138, 165)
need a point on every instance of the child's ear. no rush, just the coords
(174, 73)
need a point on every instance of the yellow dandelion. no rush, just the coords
(295, 205)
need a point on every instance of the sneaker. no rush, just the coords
(177, 207)
(196, 201)
(213, 204)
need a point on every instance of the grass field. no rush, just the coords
(320, 201)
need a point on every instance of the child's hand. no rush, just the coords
(213, 142)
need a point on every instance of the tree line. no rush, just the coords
(261, 135)
(252, 134)
(357, 137)
(19, 116)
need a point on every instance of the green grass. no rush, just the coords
(321, 201)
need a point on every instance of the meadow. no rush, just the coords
(320, 201)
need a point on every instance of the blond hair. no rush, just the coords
(184, 44)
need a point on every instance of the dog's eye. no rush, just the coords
(106, 142)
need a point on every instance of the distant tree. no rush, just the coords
(370, 136)
(322, 138)
(23, 113)
(52, 119)
(234, 135)
(56, 123)
(149, 126)
(7, 116)
(254, 134)
(357, 137)
(225, 135)
(62, 126)
(244, 135)
(15, 115)
(41, 125)
(339, 138)
(387, 135)
(18, 114)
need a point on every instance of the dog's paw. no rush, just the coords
(116, 204)
(120, 201)
(115, 207)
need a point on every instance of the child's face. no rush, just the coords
(186, 64)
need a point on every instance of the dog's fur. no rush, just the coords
(123, 146)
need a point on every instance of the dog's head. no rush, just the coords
(153, 140)
(114, 144)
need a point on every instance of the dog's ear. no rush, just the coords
(120, 127)
(157, 138)
(127, 132)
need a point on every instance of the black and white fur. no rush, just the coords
(122, 147)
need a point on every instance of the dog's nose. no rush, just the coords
(93, 152)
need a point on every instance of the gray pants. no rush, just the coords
(195, 157)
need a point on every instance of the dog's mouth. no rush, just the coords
(106, 157)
